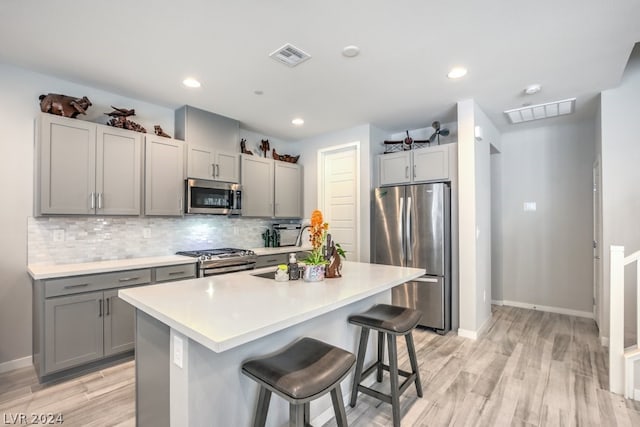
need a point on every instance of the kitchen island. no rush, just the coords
(192, 337)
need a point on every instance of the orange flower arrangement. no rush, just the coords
(317, 236)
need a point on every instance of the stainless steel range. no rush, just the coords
(220, 261)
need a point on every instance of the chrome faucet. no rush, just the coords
(299, 238)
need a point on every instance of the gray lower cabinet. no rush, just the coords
(281, 258)
(80, 320)
(73, 330)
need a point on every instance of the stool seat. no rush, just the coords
(388, 318)
(306, 368)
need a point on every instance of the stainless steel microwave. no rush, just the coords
(212, 197)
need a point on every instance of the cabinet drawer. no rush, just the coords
(95, 282)
(175, 272)
(269, 260)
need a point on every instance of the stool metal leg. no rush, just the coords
(414, 362)
(296, 415)
(338, 406)
(380, 356)
(393, 373)
(362, 348)
(263, 406)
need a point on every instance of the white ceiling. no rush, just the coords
(145, 48)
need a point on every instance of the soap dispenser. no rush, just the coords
(294, 271)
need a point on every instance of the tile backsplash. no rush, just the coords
(86, 239)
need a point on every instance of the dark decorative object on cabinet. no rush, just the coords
(158, 131)
(264, 146)
(243, 147)
(63, 105)
(120, 120)
(284, 157)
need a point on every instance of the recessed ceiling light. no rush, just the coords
(297, 121)
(351, 51)
(258, 92)
(531, 89)
(457, 72)
(191, 82)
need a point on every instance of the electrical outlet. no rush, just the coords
(529, 206)
(58, 235)
(146, 232)
(177, 351)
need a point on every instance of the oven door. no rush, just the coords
(214, 271)
(211, 197)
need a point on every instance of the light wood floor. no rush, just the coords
(530, 368)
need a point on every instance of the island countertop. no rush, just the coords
(226, 311)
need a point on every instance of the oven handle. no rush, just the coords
(220, 270)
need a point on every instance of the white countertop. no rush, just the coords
(226, 311)
(48, 271)
(281, 250)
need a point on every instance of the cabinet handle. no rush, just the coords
(173, 273)
(92, 200)
(108, 305)
(99, 200)
(406, 172)
(100, 308)
(217, 170)
(213, 170)
(81, 285)
(179, 204)
(414, 171)
(128, 279)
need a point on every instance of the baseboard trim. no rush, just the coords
(497, 302)
(465, 333)
(23, 362)
(558, 310)
(604, 341)
(636, 394)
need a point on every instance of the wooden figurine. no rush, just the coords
(158, 131)
(119, 119)
(264, 146)
(243, 147)
(121, 112)
(284, 157)
(62, 105)
(334, 268)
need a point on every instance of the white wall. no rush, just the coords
(620, 124)
(547, 256)
(19, 105)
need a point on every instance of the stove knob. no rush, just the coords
(209, 257)
(202, 257)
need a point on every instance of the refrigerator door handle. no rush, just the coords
(426, 279)
(408, 230)
(400, 226)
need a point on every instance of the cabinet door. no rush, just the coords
(164, 186)
(118, 171)
(227, 167)
(257, 186)
(394, 168)
(431, 164)
(288, 190)
(200, 162)
(67, 165)
(119, 324)
(73, 330)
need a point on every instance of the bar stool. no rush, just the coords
(392, 321)
(301, 372)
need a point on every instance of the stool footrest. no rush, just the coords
(373, 367)
(387, 397)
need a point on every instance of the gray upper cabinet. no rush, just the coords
(431, 164)
(206, 163)
(86, 168)
(66, 166)
(428, 164)
(164, 183)
(118, 171)
(270, 188)
(257, 186)
(394, 168)
(287, 190)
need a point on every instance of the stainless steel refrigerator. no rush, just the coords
(411, 227)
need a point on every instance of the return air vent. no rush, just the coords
(541, 111)
(290, 55)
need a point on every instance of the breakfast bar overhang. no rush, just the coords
(192, 337)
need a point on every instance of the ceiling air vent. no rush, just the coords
(290, 55)
(541, 111)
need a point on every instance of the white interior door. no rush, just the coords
(597, 251)
(339, 195)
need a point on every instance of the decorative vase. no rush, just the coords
(313, 273)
